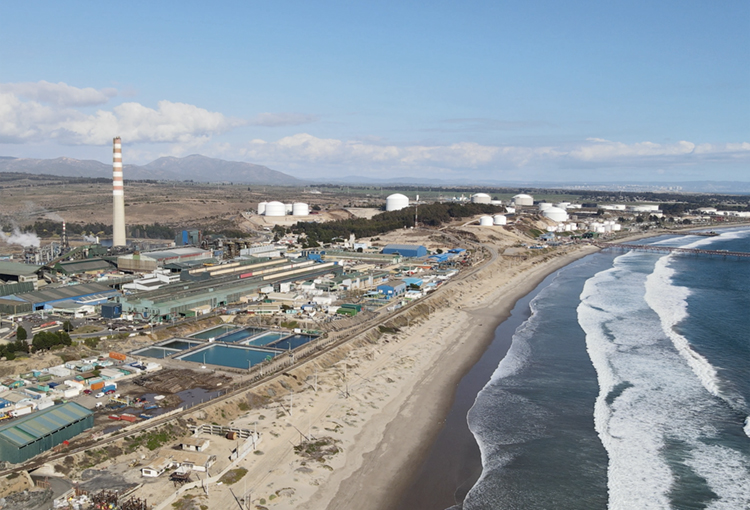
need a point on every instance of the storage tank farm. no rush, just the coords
(396, 202)
(118, 196)
(555, 214)
(278, 209)
(499, 219)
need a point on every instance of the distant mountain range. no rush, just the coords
(195, 167)
(204, 169)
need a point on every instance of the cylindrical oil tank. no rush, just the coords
(262, 207)
(300, 209)
(275, 209)
(480, 198)
(485, 221)
(496, 202)
(396, 202)
(544, 206)
(524, 200)
(555, 214)
(499, 219)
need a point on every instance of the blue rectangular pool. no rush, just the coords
(155, 352)
(214, 332)
(293, 342)
(179, 344)
(266, 338)
(228, 356)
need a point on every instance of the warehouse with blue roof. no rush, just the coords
(406, 250)
(27, 437)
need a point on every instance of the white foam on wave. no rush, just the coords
(670, 303)
(606, 299)
(725, 471)
(747, 426)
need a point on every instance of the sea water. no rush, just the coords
(627, 388)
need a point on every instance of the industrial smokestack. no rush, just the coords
(64, 237)
(118, 197)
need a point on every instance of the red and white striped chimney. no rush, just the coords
(118, 197)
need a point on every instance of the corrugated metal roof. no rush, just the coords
(28, 429)
(66, 292)
(17, 268)
(80, 266)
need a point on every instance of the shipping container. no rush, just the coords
(117, 355)
(97, 386)
(128, 417)
(353, 306)
(109, 387)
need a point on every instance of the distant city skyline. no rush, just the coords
(533, 91)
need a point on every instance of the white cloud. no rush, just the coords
(59, 94)
(600, 149)
(31, 121)
(304, 150)
(283, 119)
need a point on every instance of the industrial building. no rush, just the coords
(83, 294)
(406, 250)
(392, 289)
(18, 272)
(26, 437)
(150, 261)
(203, 289)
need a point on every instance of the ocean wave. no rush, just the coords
(670, 303)
(631, 447)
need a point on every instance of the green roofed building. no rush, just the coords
(26, 437)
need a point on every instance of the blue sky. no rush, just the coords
(509, 91)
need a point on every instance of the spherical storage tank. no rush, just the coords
(480, 198)
(499, 219)
(522, 199)
(275, 209)
(300, 209)
(485, 221)
(396, 202)
(262, 207)
(555, 214)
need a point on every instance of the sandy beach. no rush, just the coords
(380, 399)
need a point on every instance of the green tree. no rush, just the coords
(67, 326)
(21, 333)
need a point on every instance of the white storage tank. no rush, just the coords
(499, 219)
(523, 200)
(555, 214)
(544, 206)
(300, 209)
(262, 207)
(562, 205)
(480, 198)
(288, 208)
(496, 202)
(396, 202)
(485, 221)
(275, 209)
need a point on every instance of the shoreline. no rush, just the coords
(388, 469)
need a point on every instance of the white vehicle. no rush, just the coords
(99, 395)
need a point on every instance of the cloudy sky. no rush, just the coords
(528, 90)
